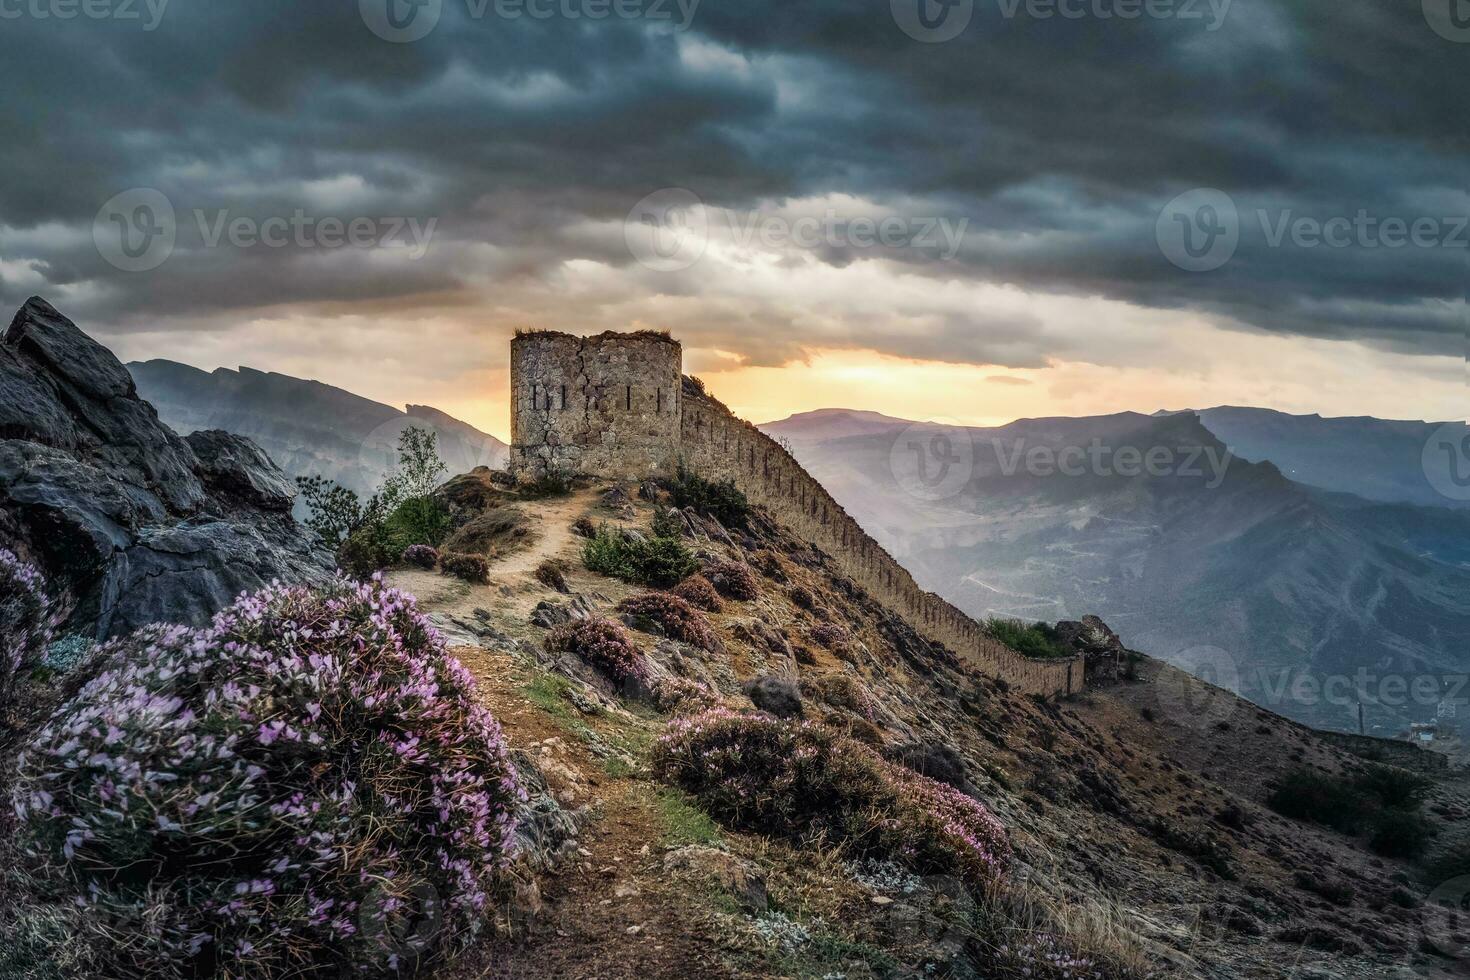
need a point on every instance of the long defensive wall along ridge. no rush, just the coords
(617, 406)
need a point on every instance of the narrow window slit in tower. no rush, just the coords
(629, 405)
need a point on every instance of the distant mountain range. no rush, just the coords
(1277, 550)
(307, 427)
(1201, 556)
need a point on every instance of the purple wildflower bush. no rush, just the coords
(1043, 956)
(27, 618)
(699, 593)
(674, 616)
(421, 556)
(304, 786)
(830, 636)
(734, 580)
(802, 781)
(603, 644)
(680, 695)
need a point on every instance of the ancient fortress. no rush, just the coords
(617, 406)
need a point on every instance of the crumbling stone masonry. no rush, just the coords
(617, 406)
(607, 405)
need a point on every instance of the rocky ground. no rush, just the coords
(1137, 811)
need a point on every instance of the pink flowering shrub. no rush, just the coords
(841, 691)
(698, 592)
(305, 786)
(468, 568)
(733, 580)
(27, 617)
(421, 556)
(674, 616)
(801, 781)
(1043, 956)
(601, 643)
(679, 695)
(830, 636)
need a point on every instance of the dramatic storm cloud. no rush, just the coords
(1013, 184)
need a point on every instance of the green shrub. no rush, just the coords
(1451, 862)
(418, 520)
(367, 550)
(1035, 640)
(1304, 794)
(1396, 788)
(1382, 800)
(656, 561)
(1400, 834)
(721, 500)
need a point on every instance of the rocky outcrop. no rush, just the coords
(1107, 658)
(136, 523)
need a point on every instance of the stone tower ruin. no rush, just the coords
(607, 405)
(617, 406)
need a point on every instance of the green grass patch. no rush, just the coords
(1034, 640)
(683, 822)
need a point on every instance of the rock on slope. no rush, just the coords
(139, 524)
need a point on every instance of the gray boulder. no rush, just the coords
(134, 523)
(775, 696)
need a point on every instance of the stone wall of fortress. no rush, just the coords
(617, 406)
(717, 445)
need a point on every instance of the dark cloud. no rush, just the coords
(527, 142)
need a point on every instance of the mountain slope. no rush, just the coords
(307, 427)
(1228, 561)
(1376, 459)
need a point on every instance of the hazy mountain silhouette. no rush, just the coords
(1230, 554)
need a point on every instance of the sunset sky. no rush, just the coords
(827, 209)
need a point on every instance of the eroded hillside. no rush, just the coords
(1136, 812)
